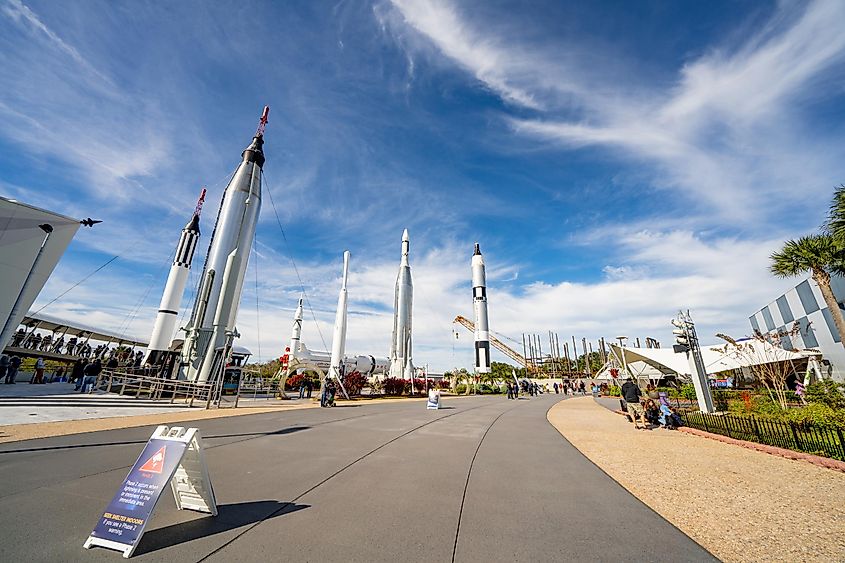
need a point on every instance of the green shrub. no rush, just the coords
(720, 400)
(827, 393)
(817, 414)
(614, 391)
(688, 391)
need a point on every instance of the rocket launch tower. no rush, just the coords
(212, 325)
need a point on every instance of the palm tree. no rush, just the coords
(836, 217)
(820, 255)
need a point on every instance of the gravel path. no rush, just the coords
(740, 504)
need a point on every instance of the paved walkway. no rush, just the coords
(742, 505)
(23, 403)
(485, 479)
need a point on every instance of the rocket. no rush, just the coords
(212, 324)
(339, 334)
(401, 364)
(168, 309)
(479, 301)
(296, 333)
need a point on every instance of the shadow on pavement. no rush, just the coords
(281, 431)
(229, 517)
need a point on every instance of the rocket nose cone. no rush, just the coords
(477, 250)
(405, 237)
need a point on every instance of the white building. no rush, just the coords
(805, 305)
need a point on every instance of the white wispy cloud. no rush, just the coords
(728, 133)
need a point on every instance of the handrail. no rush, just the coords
(154, 387)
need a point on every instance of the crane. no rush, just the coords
(498, 344)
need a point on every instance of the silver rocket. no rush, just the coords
(401, 364)
(212, 323)
(339, 335)
(296, 332)
(479, 302)
(171, 299)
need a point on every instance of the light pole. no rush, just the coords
(686, 340)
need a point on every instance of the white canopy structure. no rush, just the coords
(655, 363)
(24, 267)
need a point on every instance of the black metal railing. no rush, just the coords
(818, 440)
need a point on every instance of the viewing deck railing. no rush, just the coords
(156, 388)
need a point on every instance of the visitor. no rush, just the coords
(18, 338)
(324, 395)
(652, 413)
(302, 388)
(665, 418)
(12, 372)
(651, 392)
(90, 374)
(556, 388)
(76, 371)
(332, 390)
(631, 394)
(309, 386)
(582, 387)
(39, 371)
(510, 390)
(4, 366)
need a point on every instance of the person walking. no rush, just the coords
(39, 371)
(557, 389)
(12, 371)
(302, 388)
(76, 372)
(4, 367)
(309, 386)
(631, 394)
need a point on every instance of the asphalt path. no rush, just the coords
(483, 479)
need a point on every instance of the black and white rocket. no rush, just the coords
(168, 309)
(401, 364)
(479, 302)
(212, 324)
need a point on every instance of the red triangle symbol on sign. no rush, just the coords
(156, 463)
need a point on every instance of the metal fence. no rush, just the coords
(827, 442)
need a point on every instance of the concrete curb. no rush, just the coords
(825, 462)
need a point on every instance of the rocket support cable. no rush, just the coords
(68, 290)
(292, 261)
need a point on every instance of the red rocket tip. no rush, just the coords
(262, 123)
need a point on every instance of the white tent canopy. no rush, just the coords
(654, 362)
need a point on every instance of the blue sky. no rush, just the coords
(617, 161)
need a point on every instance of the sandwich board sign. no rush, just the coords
(172, 455)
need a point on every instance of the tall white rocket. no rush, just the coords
(401, 364)
(339, 336)
(216, 308)
(171, 299)
(296, 332)
(479, 302)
